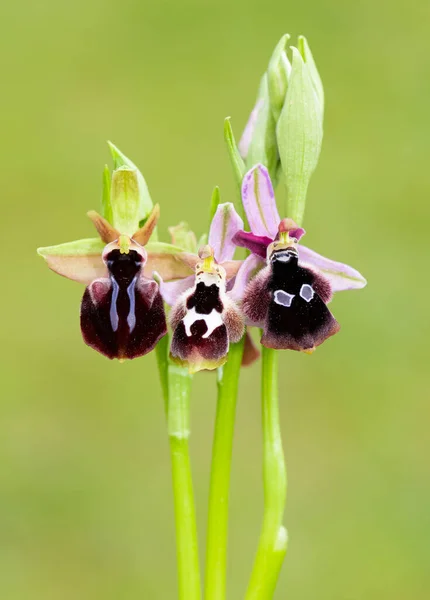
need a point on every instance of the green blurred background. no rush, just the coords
(85, 492)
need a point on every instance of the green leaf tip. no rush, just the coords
(215, 200)
(239, 167)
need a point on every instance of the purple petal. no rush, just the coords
(171, 290)
(225, 224)
(248, 132)
(341, 277)
(257, 244)
(244, 276)
(259, 202)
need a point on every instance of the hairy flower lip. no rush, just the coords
(266, 225)
(122, 311)
(204, 319)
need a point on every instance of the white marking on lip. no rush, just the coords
(131, 319)
(307, 292)
(114, 319)
(283, 257)
(283, 298)
(212, 320)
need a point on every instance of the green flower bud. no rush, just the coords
(299, 132)
(306, 53)
(106, 206)
(278, 75)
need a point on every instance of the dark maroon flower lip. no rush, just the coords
(122, 315)
(289, 302)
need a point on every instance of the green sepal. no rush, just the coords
(278, 74)
(106, 205)
(263, 147)
(299, 135)
(145, 201)
(239, 167)
(124, 200)
(306, 53)
(183, 237)
(162, 248)
(88, 246)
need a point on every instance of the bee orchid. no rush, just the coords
(204, 319)
(122, 311)
(288, 297)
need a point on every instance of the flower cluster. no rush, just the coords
(281, 287)
(131, 277)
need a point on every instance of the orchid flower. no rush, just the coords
(288, 297)
(122, 311)
(204, 318)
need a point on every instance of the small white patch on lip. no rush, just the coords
(212, 320)
(209, 279)
(283, 298)
(307, 292)
(283, 257)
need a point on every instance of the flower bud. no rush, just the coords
(306, 53)
(299, 133)
(278, 75)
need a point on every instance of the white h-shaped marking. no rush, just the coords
(212, 320)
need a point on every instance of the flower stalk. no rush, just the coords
(273, 539)
(176, 386)
(217, 529)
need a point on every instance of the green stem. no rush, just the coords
(273, 540)
(176, 385)
(216, 550)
